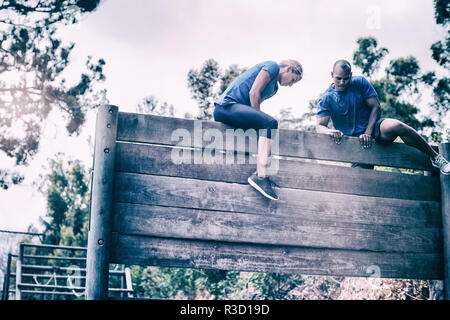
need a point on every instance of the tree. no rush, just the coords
(32, 59)
(399, 90)
(150, 105)
(208, 83)
(368, 56)
(441, 54)
(306, 122)
(201, 84)
(66, 187)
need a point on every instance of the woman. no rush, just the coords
(239, 106)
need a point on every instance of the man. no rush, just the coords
(353, 106)
(239, 106)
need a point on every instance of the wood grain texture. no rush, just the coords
(160, 160)
(209, 134)
(445, 194)
(301, 204)
(183, 223)
(279, 259)
(330, 220)
(99, 243)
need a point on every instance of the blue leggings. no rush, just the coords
(246, 117)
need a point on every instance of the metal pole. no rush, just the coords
(99, 238)
(445, 202)
(19, 272)
(5, 294)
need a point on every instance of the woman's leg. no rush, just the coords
(264, 148)
(246, 117)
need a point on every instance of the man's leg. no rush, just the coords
(390, 129)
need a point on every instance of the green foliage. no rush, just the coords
(66, 187)
(273, 286)
(177, 283)
(201, 83)
(441, 54)
(208, 83)
(368, 56)
(150, 105)
(32, 59)
(442, 11)
(306, 122)
(399, 90)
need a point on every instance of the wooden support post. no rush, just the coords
(445, 198)
(99, 238)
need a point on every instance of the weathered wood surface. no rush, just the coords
(161, 160)
(279, 259)
(99, 237)
(183, 223)
(301, 204)
(209, 134)
(445, 187)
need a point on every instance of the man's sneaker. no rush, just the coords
(263, 185)
(441, 163)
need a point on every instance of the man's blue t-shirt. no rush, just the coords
(347, 109)
(239, 89)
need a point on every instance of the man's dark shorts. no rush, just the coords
(376, 131)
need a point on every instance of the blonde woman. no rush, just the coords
(239, 106)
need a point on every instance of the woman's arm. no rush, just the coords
(261, 81)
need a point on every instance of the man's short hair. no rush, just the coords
(344, 64)
(295, 65)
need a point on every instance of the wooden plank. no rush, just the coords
(280, 259)
(445, 187)
(100, 211)
(209, 134)
(301, 204)
(160, 160)
(169, 222)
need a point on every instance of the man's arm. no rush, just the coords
(321, 127)
(374, 105)
(261, 81)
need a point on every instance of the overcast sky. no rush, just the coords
(150, 45)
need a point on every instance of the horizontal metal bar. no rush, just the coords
(58, 276)
(114, 272)
(20, 232)
(29, 266)
(120, 290)
(50, 292)
(47, 286)
(55, 257)
(52, 246)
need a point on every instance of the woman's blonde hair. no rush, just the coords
(295, 65)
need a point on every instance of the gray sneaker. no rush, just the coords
(441, 163)
(263, 185)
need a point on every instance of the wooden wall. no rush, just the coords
(330, 219)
